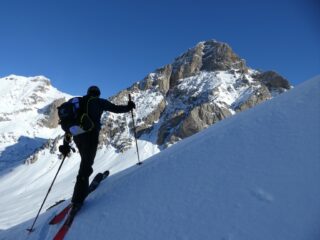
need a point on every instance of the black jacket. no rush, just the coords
(95, 106)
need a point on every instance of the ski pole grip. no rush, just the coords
(129, 97)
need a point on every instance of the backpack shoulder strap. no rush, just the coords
(85, 121)
(86, 103)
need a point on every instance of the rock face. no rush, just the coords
(257, 96)
(201, 117)
(206, 56)
(204, 85)
(274, 81)
(51, 119)
(220, 57)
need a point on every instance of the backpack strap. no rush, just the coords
(85, 121)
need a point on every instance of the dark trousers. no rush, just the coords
(87, 143)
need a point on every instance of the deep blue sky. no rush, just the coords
(115, 43)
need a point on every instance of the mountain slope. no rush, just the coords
(252, 176)
(26, 117)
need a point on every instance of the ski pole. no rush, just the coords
(134, 132)
(31, 229)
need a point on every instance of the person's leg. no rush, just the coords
(87, 146)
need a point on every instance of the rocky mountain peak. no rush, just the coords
(219, 56)
(206, 84)
(207, 56)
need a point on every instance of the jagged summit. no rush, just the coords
(207, 56)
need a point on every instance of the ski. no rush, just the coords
(61, 215)
(93, 186)
(74, 210)
(66, 225)
(56, 204)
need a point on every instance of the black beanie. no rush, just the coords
(93, 91)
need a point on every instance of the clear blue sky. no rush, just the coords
(114, 43)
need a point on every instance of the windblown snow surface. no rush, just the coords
(253, 176)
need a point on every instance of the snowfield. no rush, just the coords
(253, 176)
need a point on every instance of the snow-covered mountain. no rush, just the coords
(206, 84)
(27, 117)
(252, 176)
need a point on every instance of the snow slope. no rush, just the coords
(22, 106)
(252, 176)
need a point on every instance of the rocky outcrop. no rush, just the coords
(200, 118)
(163, 80)
(183, 124)
(114, 132)
(273, 81)
(51, 144)
(220, 57)
(159, 79)
(187, 65)
(4, 119)
(51, 119)
(165, 132)
(257, 96)
(147, 122)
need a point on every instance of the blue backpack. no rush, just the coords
(73, 116)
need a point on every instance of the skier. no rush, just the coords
(87, 142)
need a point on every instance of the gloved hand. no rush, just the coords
(65, 149)
(67, 138)
(131, 105)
